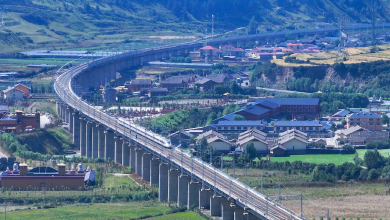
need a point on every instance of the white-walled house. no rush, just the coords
(13, 93)
(219, 144)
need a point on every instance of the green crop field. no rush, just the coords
(336, 159)
(179, 216)
(94, 211)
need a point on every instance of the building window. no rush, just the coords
(371, 123)
(226, 128)
(378, 123)
(238, 128)
(378, 119)
(245, 128)
(42, 184)
(371, 119)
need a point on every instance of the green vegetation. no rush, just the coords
(180, 216)
(94, 211)
(45, 141)
(336, 159)
(97, 24)
(182, 119)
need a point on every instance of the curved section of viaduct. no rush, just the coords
(180, 177)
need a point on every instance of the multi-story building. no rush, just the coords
(305, 126)
(237, 127)
(294, 108)
(138, 84)
(368, 120)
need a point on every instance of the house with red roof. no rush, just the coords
(238, 52)
(227, 47)
(209, 51)
(294, 46)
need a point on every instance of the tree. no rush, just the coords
(385, 119)
(343, 122)
(249, 153)
(373, 159)
(239, 118)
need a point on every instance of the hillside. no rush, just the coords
(53, 141)
(97, 24)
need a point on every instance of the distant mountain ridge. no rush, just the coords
(82, 23)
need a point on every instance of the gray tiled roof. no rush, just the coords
(363, 115)
(141, 82)
(291, 101)
(298, 123)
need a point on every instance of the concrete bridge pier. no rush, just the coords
(71, 120)
(138, 161)
(83, 125)
(239, 214)
(182, 198)
(132, 156)
(109, 146)
(204, 198)
(163, 183)
(66, 114)
(249, 216)
(76, 129)
(193, 194)
(95, 141)
(88, 139)
(118, 149)
(173, 185)
(227, 210)
(125, 153)
(146, 160)
(215, 205)
(101, 141)
(154, 171)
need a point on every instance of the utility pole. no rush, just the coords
(221, 162)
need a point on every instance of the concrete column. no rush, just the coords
(63, 112)
(204, 198)
(154, 171)
(101, 141)
(70, 120)
(132, 157)
(88, 139)
(146, 158)
(182, 198)
(118, 149)
(173, 185)
(83, 146)
(125, 153)
(163, 183)
(251, 217)
(109, 148)
(227, 211)
(138, 161)
(239, 214)
(66, 116)
(95, 141)
(215, 206)
(193, 194)
(76, 129)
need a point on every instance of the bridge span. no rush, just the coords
(180, 177)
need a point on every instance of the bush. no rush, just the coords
(373, 174)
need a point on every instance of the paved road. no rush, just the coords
(281, 91)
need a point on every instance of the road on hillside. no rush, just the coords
(282, 91)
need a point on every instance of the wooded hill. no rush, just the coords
(56, 24)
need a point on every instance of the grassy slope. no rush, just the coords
(46, 141)
(68, 24)
(326, 158)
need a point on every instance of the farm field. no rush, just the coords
(356, 55)
(336, 159)
(94, 211)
